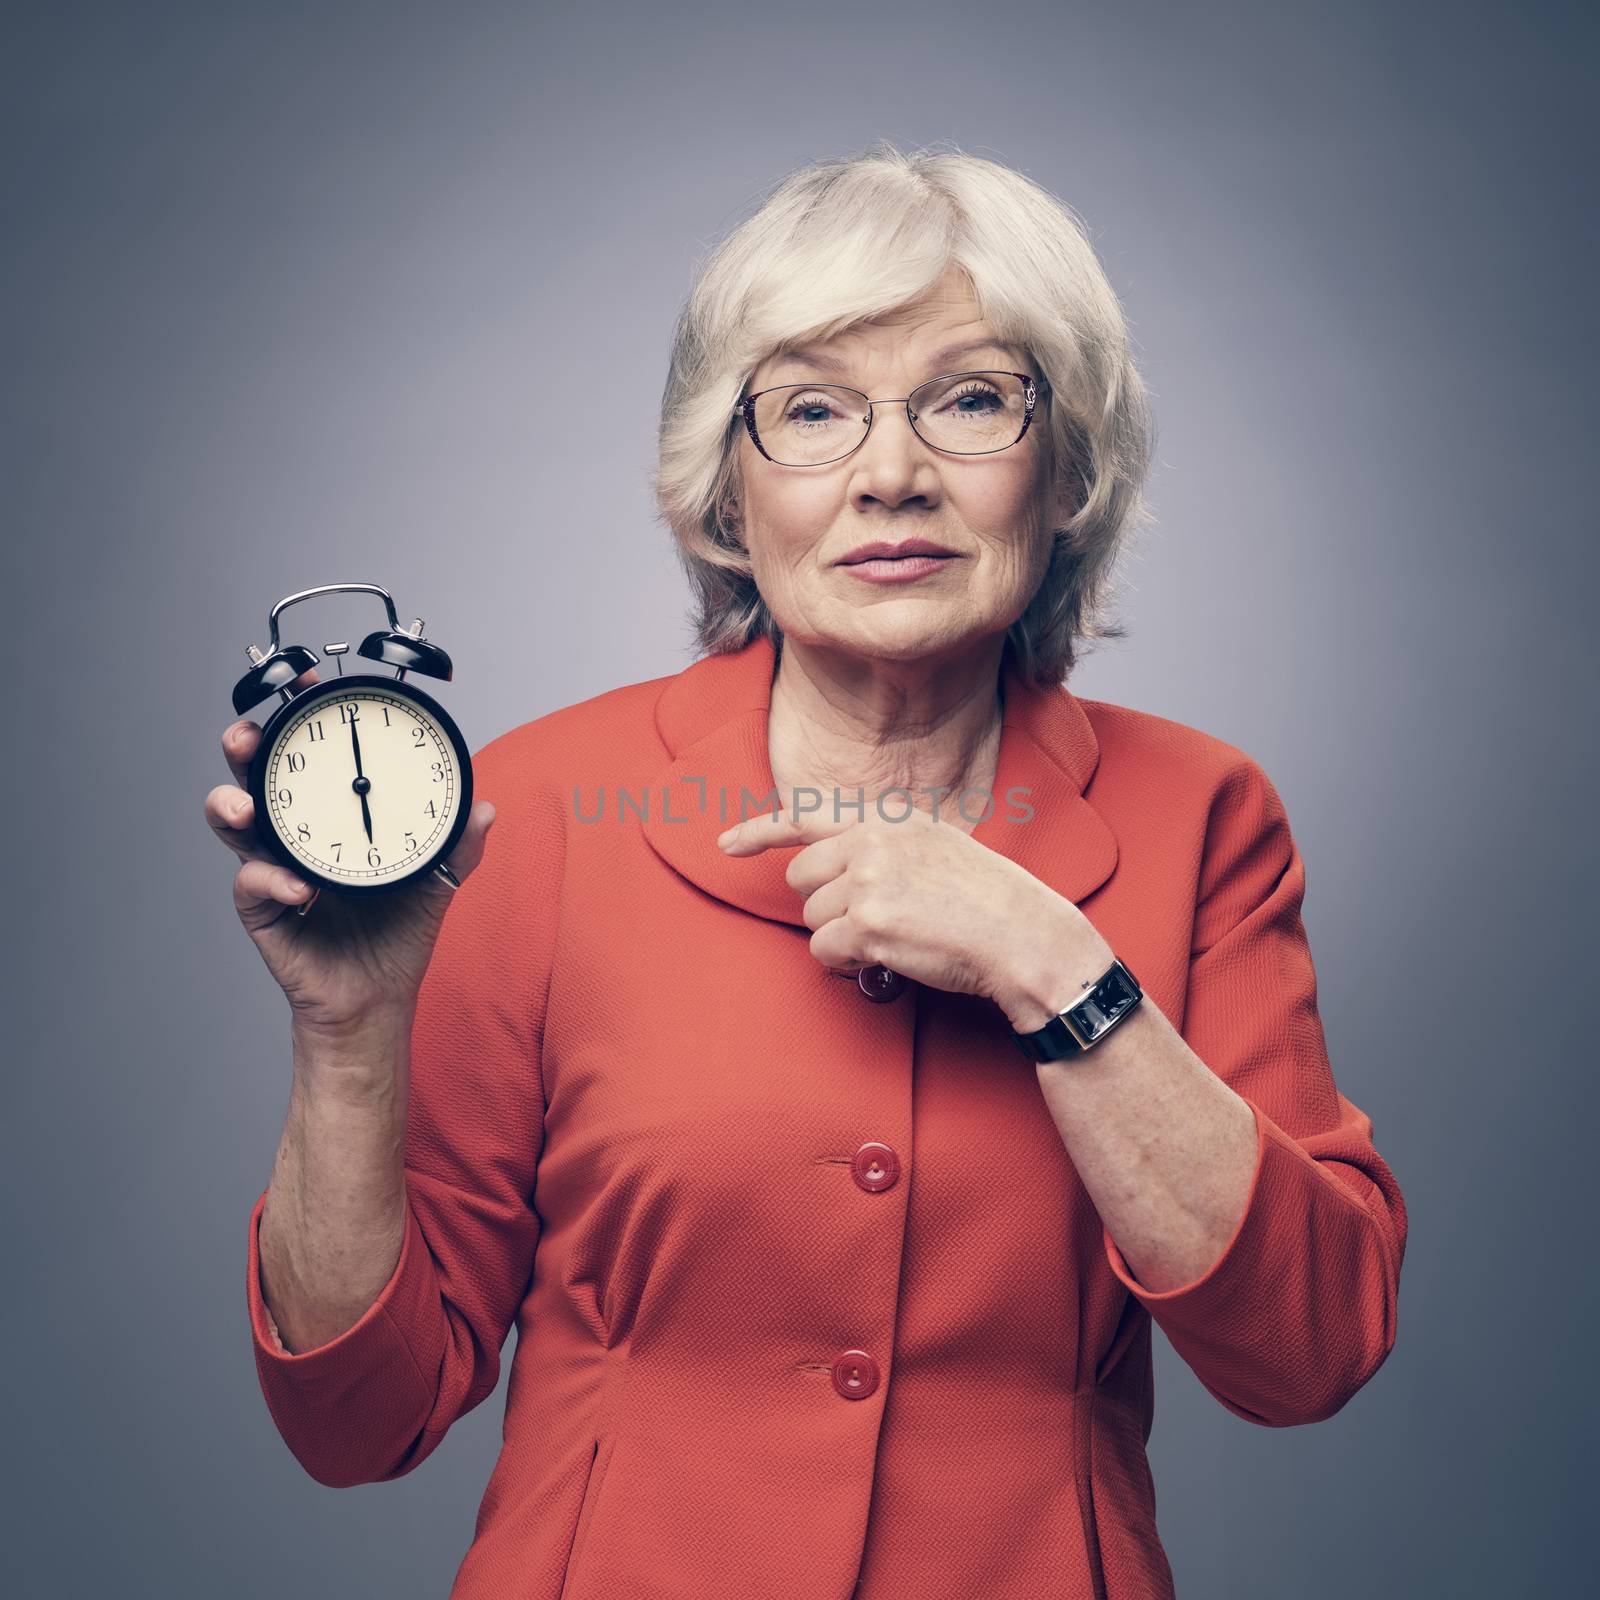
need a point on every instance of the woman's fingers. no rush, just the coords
(240, 739)
(470, 847)
(264, 891)
(229, 808)
(238, 746)
(231, 814)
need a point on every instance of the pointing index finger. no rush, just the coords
(771, 829)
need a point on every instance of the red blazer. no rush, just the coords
(810, 1301)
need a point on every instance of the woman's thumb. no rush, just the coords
(469, 850)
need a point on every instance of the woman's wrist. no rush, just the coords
(1050, 972)
(365, 1056)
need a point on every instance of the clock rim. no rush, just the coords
(332, 689)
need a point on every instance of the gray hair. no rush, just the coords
(843, 240)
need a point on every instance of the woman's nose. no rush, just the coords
(893, 463)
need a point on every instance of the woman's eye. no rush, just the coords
(983, 397)
(809, 411)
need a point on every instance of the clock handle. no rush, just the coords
(332, 588)
(442, 868)
(403, 648)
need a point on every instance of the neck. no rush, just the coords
(847, 723)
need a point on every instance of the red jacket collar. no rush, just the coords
(712, 717)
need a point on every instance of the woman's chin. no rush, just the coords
(881, 638)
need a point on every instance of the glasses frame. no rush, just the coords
(1033, 388)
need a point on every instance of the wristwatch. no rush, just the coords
(1086, 1021)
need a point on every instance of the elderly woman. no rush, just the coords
(847, 1045)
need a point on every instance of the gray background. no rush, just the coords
(303, 293)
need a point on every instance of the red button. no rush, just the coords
(855, 1374)
(875, 1166)
(880, 984)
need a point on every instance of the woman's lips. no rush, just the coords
(897, 569)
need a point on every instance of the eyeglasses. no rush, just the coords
(960, 413)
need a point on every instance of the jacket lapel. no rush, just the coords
(712, 718)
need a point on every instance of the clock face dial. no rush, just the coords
(362, 786)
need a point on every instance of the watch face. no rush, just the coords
(1110, 998)
(364, 783)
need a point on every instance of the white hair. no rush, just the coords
(844, 240)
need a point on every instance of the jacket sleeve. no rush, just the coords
(374, 1402)
(1298, 1311)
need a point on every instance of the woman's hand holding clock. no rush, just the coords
(358, 957)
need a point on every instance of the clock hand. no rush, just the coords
(362, 783)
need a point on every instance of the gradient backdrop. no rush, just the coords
(305, 293)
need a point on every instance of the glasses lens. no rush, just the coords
(802, 427)
(967, 413)
(971, 412)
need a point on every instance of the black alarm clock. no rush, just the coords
(361, 784)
